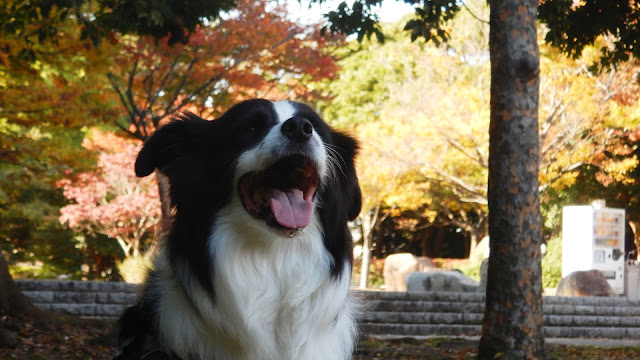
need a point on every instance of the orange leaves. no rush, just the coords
(251, 51)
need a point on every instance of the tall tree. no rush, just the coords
(44, 109)
(39, 141)
(512, 323)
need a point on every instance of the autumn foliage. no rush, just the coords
(252, 51)
(111, 200)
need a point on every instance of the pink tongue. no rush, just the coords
(291, 210)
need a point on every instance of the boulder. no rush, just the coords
(440, 281)
(584, 283)
(397, 266)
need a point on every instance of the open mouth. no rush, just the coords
(282, 194)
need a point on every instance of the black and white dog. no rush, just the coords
(256, 263)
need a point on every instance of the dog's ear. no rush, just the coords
(348, 148)
(172, 142)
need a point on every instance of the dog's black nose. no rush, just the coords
(297, 129)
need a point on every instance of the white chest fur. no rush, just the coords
(274, 299)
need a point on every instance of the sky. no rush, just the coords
(390, 11)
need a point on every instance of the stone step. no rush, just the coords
(476, 319)
(110, 311)
(621, 309)
(420, 329)
(480, 298)
(423, 306)
(84, 297)
(475, 330)
(421, 318)
(385, 313)
(420, 296)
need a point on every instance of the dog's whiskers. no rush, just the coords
(334, 161)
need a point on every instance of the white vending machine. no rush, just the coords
(593, 239)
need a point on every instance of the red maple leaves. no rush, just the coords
(111, 200)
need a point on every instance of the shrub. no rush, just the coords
(552, 263)
(133, 269)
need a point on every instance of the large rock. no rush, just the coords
(397, 266)
(584, 283)
(440, 281)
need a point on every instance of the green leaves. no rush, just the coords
(573, 26)
(357, 19)
(43, 21)
(430, 22)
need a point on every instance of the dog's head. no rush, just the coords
(279, 159)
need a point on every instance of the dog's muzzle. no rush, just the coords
(282, 194)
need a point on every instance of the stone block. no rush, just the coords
(558, 320)
(627, 311)
(39, 296)
(599, 332)
(554, 300)
(75, 297)
(477, 308)
(585, 310)
(629, 321)
(109, 310)
(472, 319)
(74, 285)
(75, 309)
(564, 309)
(446, 318)
(116, 298)
(633, 333)
(38, 285)
(472, 297)
(558, 331)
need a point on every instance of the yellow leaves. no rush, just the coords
(410, 195)
(623, 116)
(618, 170)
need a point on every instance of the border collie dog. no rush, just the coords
(256, 261)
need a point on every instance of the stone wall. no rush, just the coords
(387, 313)
(91, 299)
(460, 314)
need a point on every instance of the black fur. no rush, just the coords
(199, 159)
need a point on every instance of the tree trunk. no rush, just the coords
(367, 236)
(13, 303)
(11, 299)
(512, 325)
